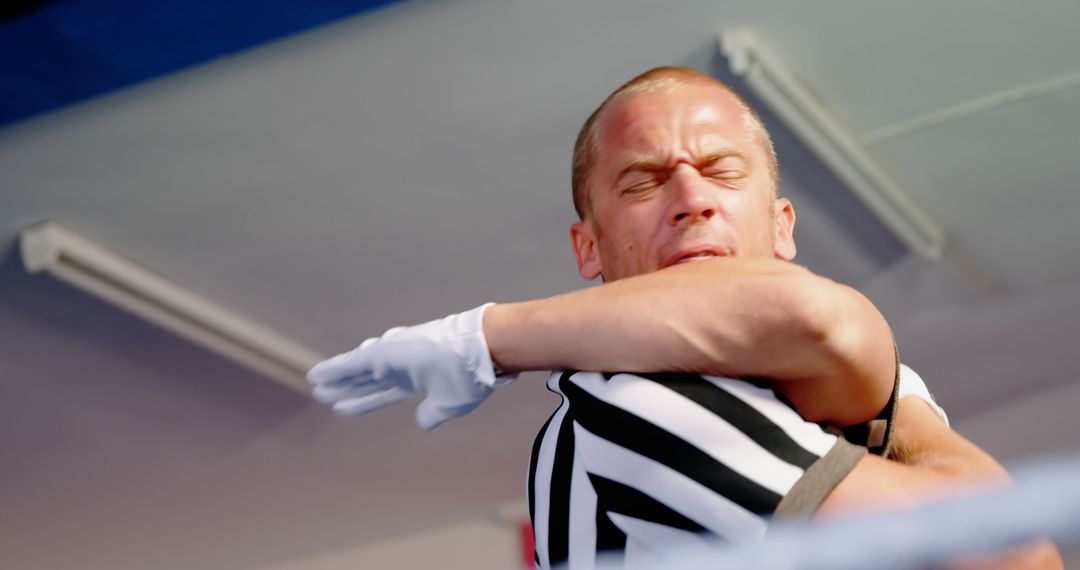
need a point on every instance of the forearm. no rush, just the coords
(731, 317)
(923, 441)
(678, 319)
(1041, 555)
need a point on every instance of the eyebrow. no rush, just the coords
(641, 165)
(652, 165)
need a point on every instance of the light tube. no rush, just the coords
(73, 259)
(832, 143)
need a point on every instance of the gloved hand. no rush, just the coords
(445, 361)
(911, 384)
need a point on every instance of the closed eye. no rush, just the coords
(642, 186)
(639, 189)
(724, 167)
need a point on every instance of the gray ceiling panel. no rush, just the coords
(394, 168)
(1005, 182)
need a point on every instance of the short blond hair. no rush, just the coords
(658, 79)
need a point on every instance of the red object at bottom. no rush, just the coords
(528, 546)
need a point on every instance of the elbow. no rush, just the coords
(828, 316)
(855, 348)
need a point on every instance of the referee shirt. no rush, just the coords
(639, 464)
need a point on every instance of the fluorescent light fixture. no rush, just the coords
(833, 143)
(136, 289)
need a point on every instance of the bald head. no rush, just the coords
(656, 80)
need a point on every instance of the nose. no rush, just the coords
(693, 199)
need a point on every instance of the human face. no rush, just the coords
(681, 176)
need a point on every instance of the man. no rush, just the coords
(675, 182)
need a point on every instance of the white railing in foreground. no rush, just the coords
(1044, 502)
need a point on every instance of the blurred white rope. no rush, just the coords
(1043, 503)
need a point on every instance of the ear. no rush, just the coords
(583, 240)
(784, 229)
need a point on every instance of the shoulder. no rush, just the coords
(749, 404)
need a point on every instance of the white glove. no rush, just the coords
(445, 361)
(911, 384)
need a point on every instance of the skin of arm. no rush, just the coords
(929, 461)
(827, 347)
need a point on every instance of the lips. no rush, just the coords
(693, 255)
(696, 257)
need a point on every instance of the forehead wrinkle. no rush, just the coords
(708, 149)
(636, 136)
(714, 145)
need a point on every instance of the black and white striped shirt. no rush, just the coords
(644, 463)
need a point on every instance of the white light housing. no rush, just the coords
(134, 288)
(832, 143)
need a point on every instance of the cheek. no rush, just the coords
(759, 226)
(620, 244)
(626, 246)
(639, 230)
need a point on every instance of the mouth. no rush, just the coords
(693, 255)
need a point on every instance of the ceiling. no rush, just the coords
(412, 161)
(57, 52)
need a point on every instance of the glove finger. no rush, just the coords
(391, 332)
(342, 366)
(371, 402)
(346, 389)
(430, 415)
(353, 382)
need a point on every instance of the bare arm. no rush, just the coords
(827, 345)
(929, 461)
